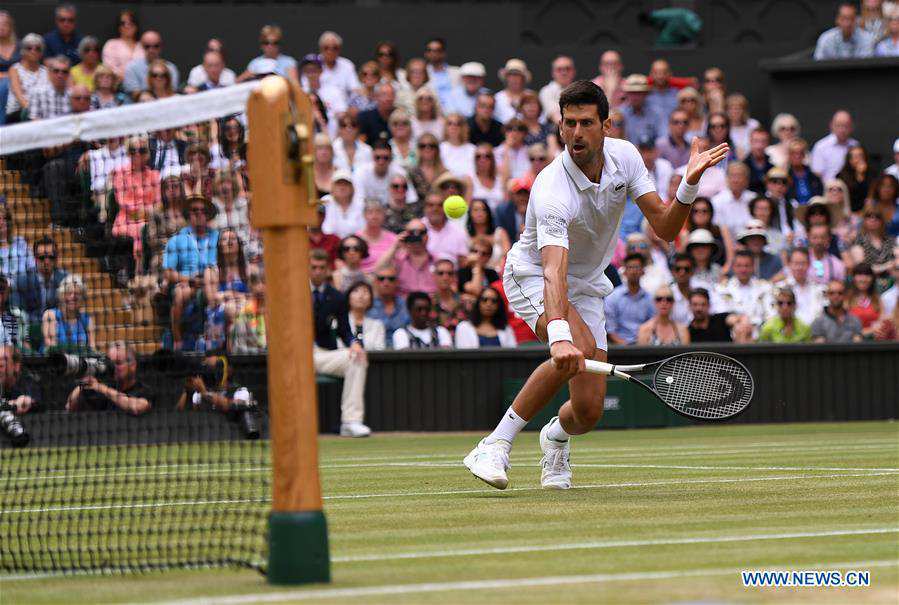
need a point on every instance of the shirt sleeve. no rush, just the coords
(552, 216)
(639, 182)
(400, 339)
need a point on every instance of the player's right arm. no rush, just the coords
(566, 357)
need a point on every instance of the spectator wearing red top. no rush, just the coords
(323, 241)
(137, 193)
(410, 257)
(862, 299)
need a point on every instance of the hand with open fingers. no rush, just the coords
(701, 158)
(567, 358)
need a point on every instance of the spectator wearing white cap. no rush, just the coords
(337, 71)
(829, 154)
(462, 98)
(744, 293)
(640, 119)
(563, 74)
(702, 247)
(515, 77)
(343, 214)
(754, 237)
(894, 168)
(442, 76)
(732, 203)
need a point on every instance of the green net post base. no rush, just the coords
(298, 548)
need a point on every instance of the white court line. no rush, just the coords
(606, 455)
(503, 583)
(19, 511)
(502, 550)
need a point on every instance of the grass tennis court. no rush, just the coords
(657, 516)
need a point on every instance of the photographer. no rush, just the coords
(208, 386)
(410, 257)
(21, 392)
(129, 394)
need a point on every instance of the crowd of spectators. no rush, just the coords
(787, 242)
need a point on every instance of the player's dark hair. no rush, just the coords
(699, 292)
(585, 92)
(380, 144)
(634, 256)
(499, 320)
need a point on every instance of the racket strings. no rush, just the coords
(704, 385)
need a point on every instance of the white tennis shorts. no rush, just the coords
(525, 294)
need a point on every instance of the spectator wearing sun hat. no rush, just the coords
(702, 248)
(462, 99)
(754, 237)
(343, 210)
(515, 76)
(641, 120)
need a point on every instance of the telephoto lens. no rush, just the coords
(13, 428)
(245, 411)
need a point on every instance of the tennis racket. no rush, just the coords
(699, 384)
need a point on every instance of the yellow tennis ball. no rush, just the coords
(455, 206)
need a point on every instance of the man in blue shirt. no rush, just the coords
(186, 257)
(640, 120)
(441, 76)
(63, 39)
(662, 99)
(628, 306)
(462, 98)
(136, 71)
(388, 307)
(847, 40)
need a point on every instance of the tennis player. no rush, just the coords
(554, 274)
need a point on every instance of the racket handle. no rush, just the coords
(595, 367)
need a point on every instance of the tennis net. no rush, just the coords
(133, 426)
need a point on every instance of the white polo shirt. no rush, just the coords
(566, 209)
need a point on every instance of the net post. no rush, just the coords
(280, 127)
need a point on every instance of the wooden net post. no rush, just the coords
(284, 204)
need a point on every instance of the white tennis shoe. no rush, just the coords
(555, 465)
(489, 462)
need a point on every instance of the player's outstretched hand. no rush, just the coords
(567, 358)
(701, 158)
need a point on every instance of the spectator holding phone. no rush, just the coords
(410, 257)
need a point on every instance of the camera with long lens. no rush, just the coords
(246, 412)
(11, 426)
(80, 366)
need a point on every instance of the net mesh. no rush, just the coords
(704, 385)
(117, 249)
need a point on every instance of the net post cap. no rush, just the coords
(298, 547)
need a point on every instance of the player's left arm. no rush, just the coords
(668, 219)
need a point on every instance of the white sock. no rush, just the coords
(508, 427)
(556, 432)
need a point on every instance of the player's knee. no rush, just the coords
(587, 416)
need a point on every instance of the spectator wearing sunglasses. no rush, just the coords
(786, 128)
(64, 38)
(410, 257)
(398, 212)
(777, 185)
(363, 98)
(512, 155)
(462, 99)
(35, 291)
(405, 154)
(487, 324)
(785, 327)
(338, 71)
(446, 300)
(477, 275)
(682, 267)
(272, 60)
(674, 146)
(350, 153)
(352, 251)
(343, 208)
(83, 72)
(835, 324)
(373, 181)
(662, 329)
(119, 52)
(52, 99)
(138, 69)
(388, 306)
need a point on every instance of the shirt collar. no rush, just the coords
(580, 179)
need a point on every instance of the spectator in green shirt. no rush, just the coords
(785, 326)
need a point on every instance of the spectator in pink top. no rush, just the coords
(137, 192)
(445, 239)
(410, 257)
(119, 52)
(379, 240)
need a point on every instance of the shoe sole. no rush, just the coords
(498, 482)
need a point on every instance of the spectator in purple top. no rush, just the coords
(674, 147)
(410, 257)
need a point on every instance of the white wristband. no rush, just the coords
(686, 193)
(558, 330)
